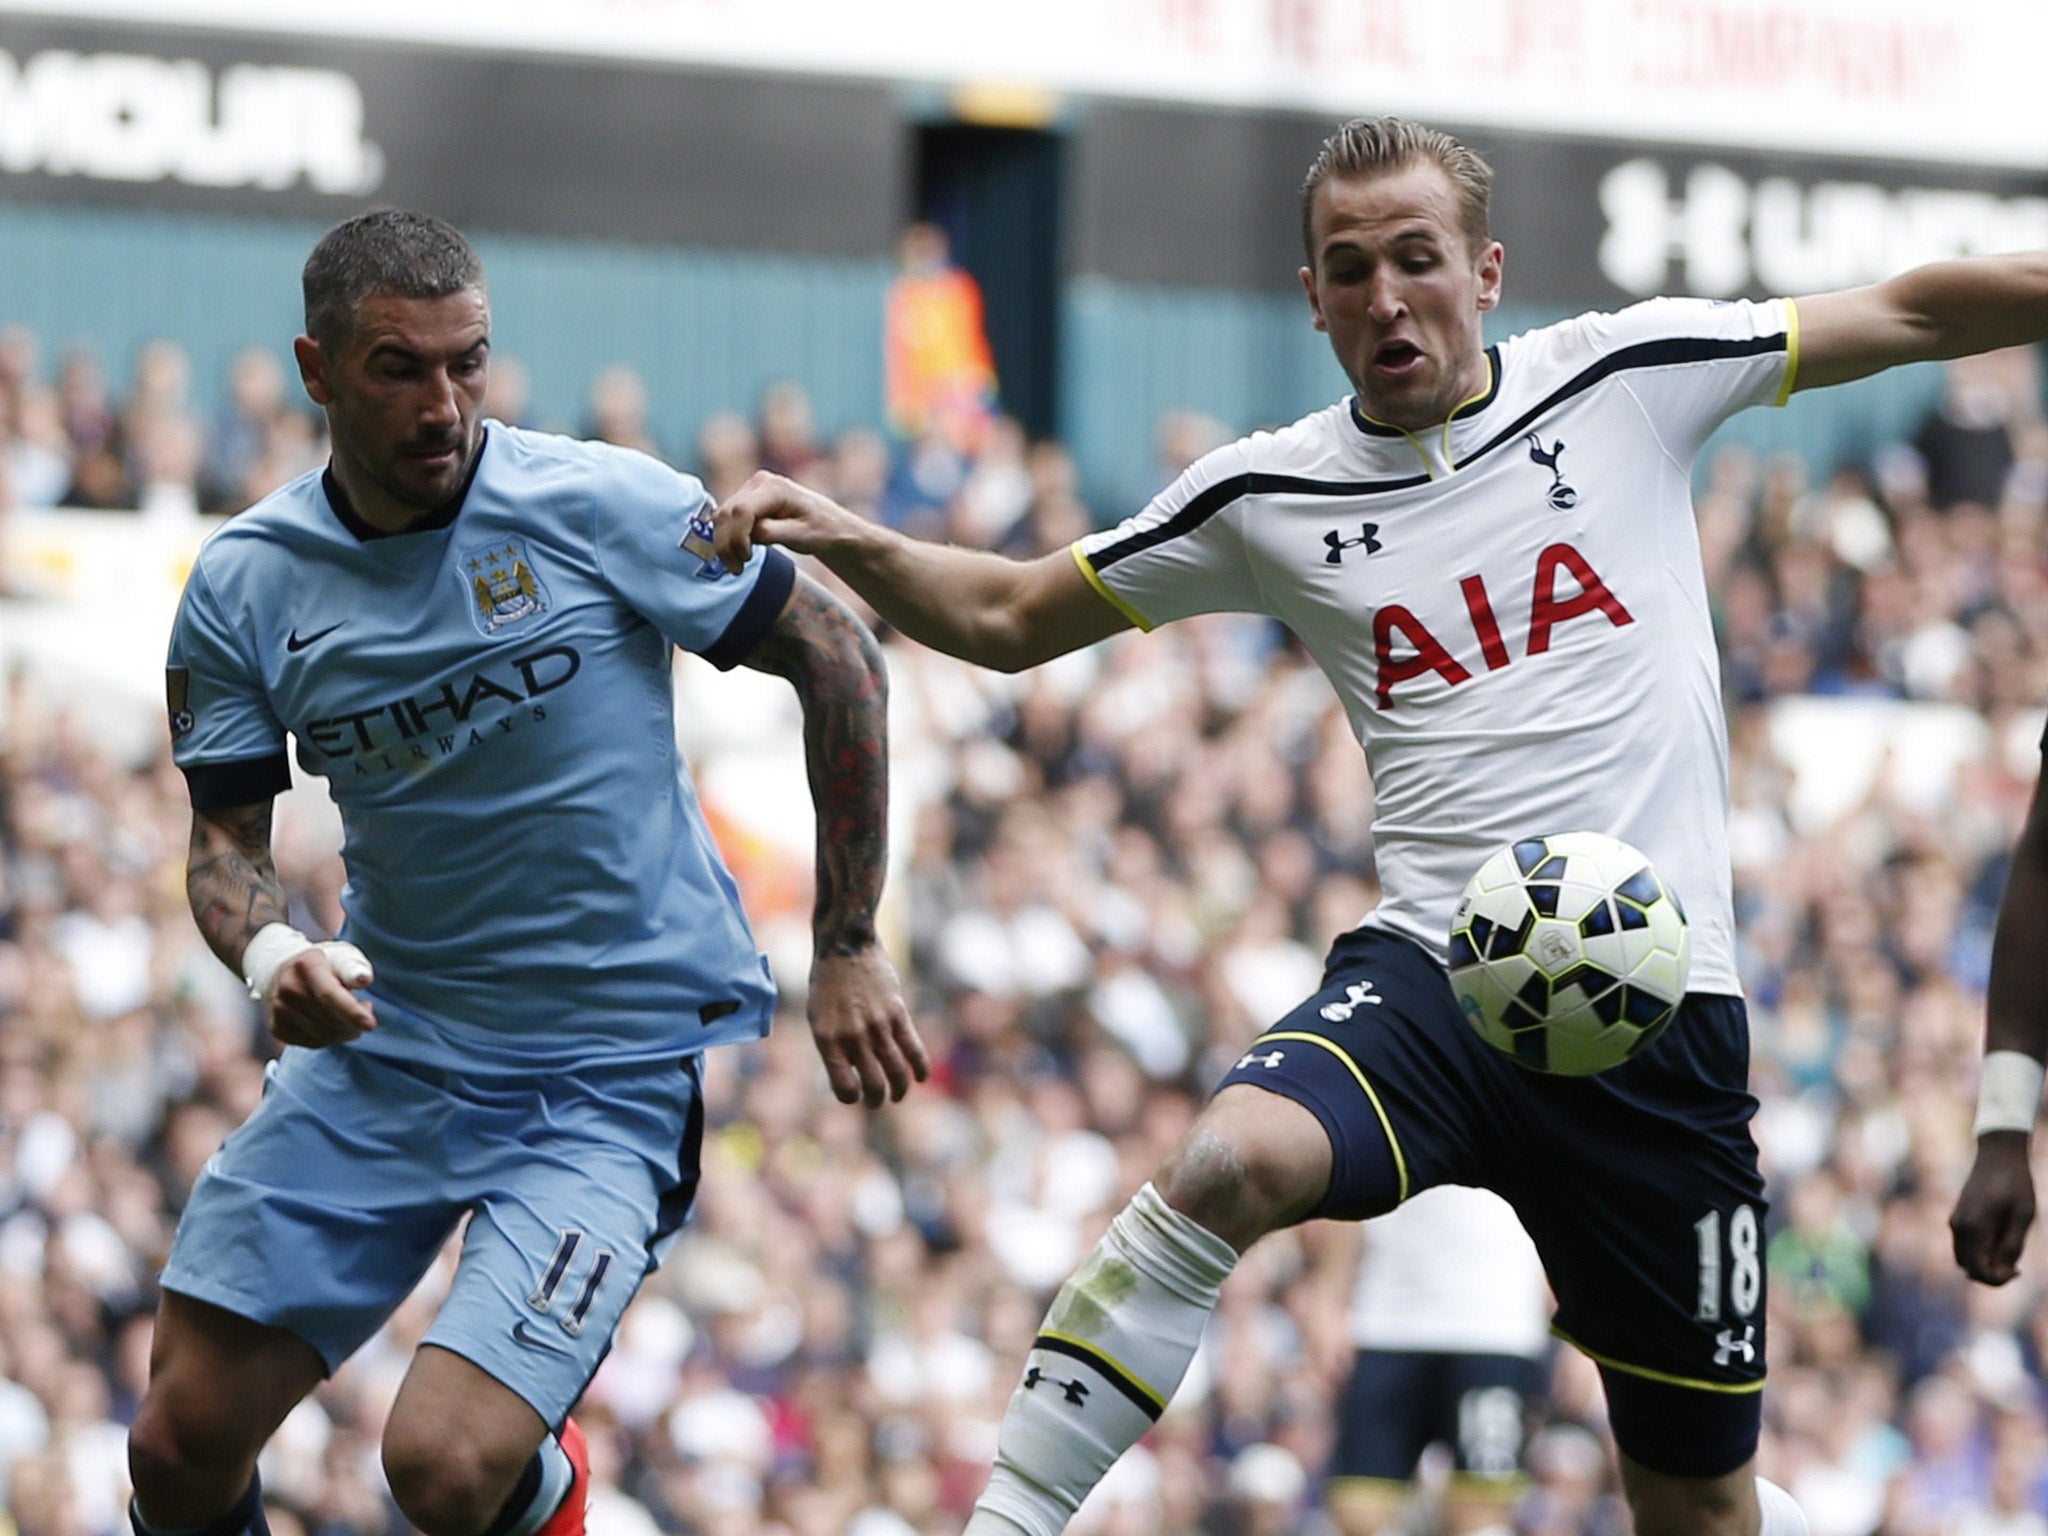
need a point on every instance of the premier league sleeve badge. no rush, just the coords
(696, 541)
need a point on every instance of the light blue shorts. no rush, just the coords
(323, 1211)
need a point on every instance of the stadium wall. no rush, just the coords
(709, 329)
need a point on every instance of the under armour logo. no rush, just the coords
(1561, 496)
(1269, 1061)
(1727, 1346)
(1076, 1391)
(1355, 997)
(1338, 543)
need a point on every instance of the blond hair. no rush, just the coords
(1372, 146)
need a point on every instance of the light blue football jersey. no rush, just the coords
(489, 700)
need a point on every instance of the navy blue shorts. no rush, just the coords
(1639, 1186)
(1399, 1402)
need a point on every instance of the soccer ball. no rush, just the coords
(1569, 952)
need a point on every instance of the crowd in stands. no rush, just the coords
(1120, 866)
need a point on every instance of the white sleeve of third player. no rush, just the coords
(1185, 553)
(1693, 363)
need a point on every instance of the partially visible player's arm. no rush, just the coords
(857, 1012)
(1944, 309)
(1996, 1207)
(985, 608)
(241, 911)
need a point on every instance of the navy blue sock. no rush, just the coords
(521, 1500)
(542, 1486)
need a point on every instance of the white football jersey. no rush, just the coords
(1450, 1270)
(1511, 606)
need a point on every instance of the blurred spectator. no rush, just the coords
(161, 388)
(1182, 437)
(166, 454)
(508, 397)
(98, 477)
(939, 374)
(1966, 443)
(789, 431)
(997, 491)
(618, 410)
(240, 438)
(293, 445)
(38, 455)
(727, 453)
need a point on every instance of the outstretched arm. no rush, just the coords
(857, 1012)
(986, 608)
(1944, 309)
(1996, 1207)
(232, 885)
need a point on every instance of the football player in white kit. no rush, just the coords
(1491, 553)
(1449, 1312)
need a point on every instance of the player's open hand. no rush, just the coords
(1995, 1209)
(862, 1026)
(312, 1002)
(771, 509)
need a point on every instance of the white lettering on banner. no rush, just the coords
(1906, 78)
(1725, 235)
(130, 117)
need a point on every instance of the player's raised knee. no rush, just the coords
(447, 1485)
(1253, 1162)
(186, 1467)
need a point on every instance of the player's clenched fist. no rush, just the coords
(771, 509)
(1995, 1209)
(308, 990)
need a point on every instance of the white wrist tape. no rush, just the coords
(276, 945)
(2008, 1091)
(272, 946)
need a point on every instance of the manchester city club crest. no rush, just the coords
(504, 586)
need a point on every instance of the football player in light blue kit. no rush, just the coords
(466, 629)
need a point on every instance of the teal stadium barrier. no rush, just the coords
(708, 330)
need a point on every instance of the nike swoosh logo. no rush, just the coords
(296, 642)
(521, 1334)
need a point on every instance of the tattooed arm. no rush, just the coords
(230, 880)
(857, 1012)
(234, 892)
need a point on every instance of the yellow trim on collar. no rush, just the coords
(1421, 452)
(1472, 400)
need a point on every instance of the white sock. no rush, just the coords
(1112, 1349)
(1782, 1515)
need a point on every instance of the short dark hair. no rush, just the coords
(387, 251)
(1370, 146)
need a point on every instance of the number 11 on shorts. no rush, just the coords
(543, 1297)
(1744, 1267)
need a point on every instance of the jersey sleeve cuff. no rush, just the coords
(1102, 589)
(239, 781)
(1791, 381)
(757, 615)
